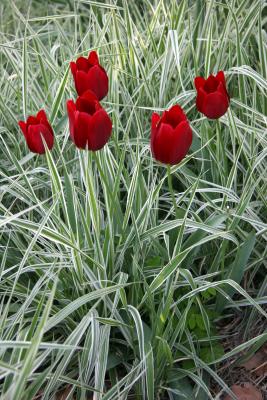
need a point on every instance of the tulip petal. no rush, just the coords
(182, 140)
(98, 81)
(175, 115)
(154, 122)
(101, 130)
(154, 127)
(215, 105)
(23, 127)
(71, 108)
(93, 58)
(221, 78)
(81, 82)
(199, 82)
(222, 89)
(41, 115)
(82, 64)
(162, 143)
(89, 96)
(31, 120)
(84, 105)
(211, 84)
(73, 68)
(34, 138)
(201, 97)
(74, 72)
(88, 103)
(82, 127)
(164, 117)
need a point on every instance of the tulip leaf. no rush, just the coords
(237, 269)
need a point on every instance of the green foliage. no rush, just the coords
(106, 287)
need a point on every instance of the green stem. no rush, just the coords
(171, 190)
(221, 146)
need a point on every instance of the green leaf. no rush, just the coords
(237, 269)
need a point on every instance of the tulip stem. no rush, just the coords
(221, 155)
(171, 189)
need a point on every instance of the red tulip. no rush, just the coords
(90, 125)
(88, 74)
(212, 96)
(171, 136)
(36, 129)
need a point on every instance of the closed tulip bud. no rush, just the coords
(171, 136)
(90, 125)
(36, 130)
(212, 97)
(88, 74)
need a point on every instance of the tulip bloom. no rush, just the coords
(35, 130)
(212, 96)
(88, 74)
(90, 125)
(171, 136)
